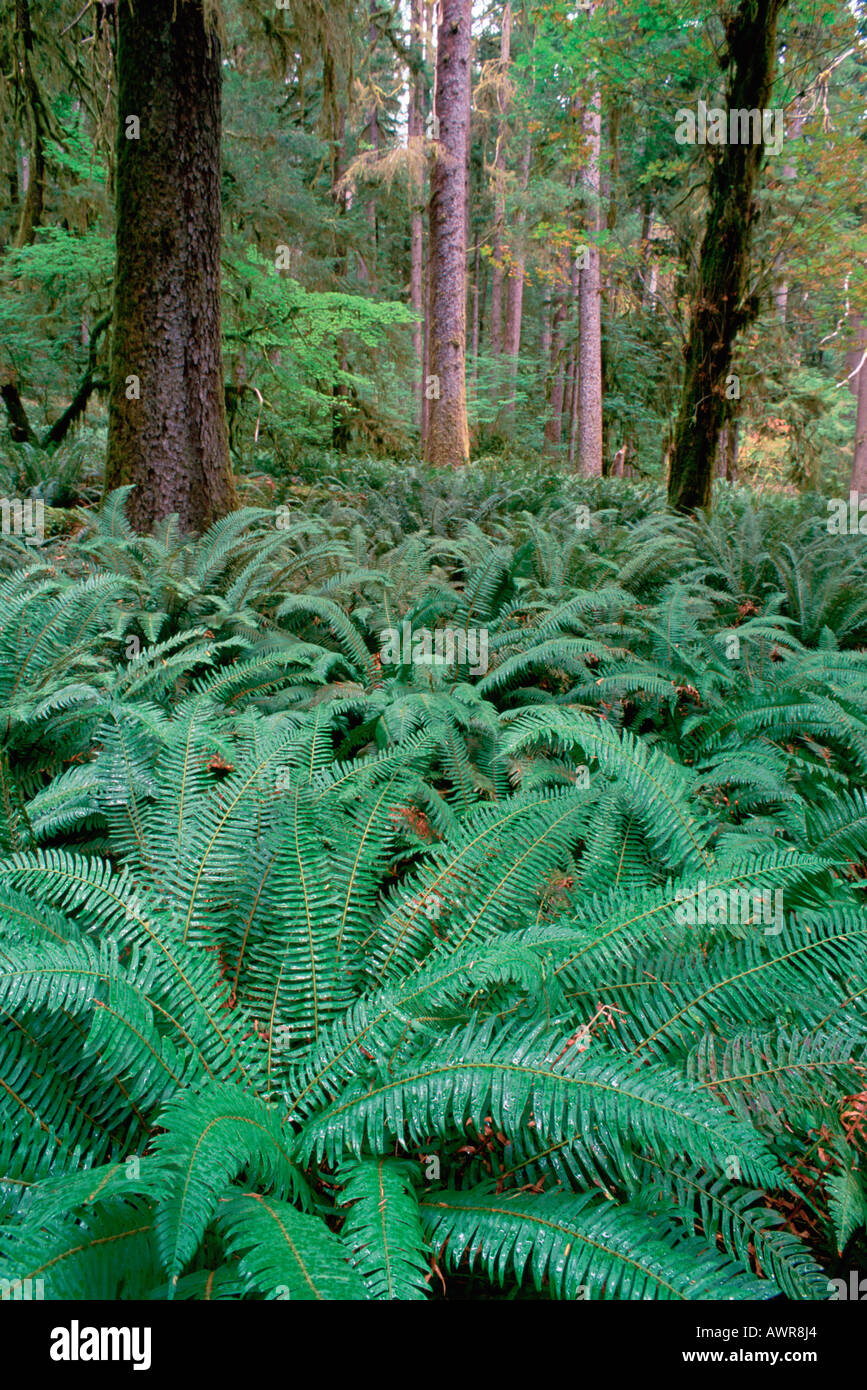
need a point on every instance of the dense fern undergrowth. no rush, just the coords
(329, 976)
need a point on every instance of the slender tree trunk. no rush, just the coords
(475, 342)
(614, 116)
(570, 402)
(648, 265)
(554, 422)
(590, 307)
(167, 423)
(573, 420)
(415, 130)
(722, 305)
(788, 173)
(430, 61)
(498, 272)
(515, 288)
(448, 442)
(367, 264)
(858, 383)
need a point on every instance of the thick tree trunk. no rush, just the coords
(34, 198)
(732, 450)
(722, 307)
(167, 421)
(590, 308)
(19, 425)
(448, 442)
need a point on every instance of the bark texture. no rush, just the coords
(722, 304)
(171, 441)
(448, 440)
(499, 179)
(590, 307)
(415, 130)
(34, 198)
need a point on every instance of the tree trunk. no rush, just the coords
(732, 450)
(430, 61)
(474, 350)
(573, 419)
(859, 383)
(19, 425)
(515, 288)
(555, 386)
(614, 117)
(789, 173)
(499, 176)
(167, 421)
(722, 307)
(448, 442)
(415, 131)
(590, 308)
(367, 266)
(34, 199)
(647, 274)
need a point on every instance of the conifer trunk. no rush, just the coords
(590, 307)
(499, 178)
(448, 440)
(167, 420)
(415, 130)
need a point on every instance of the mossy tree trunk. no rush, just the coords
(167, 420)
(34, 198)
(722, 305)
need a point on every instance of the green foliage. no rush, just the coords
(316, 970)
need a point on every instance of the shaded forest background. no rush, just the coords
(575, 181)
